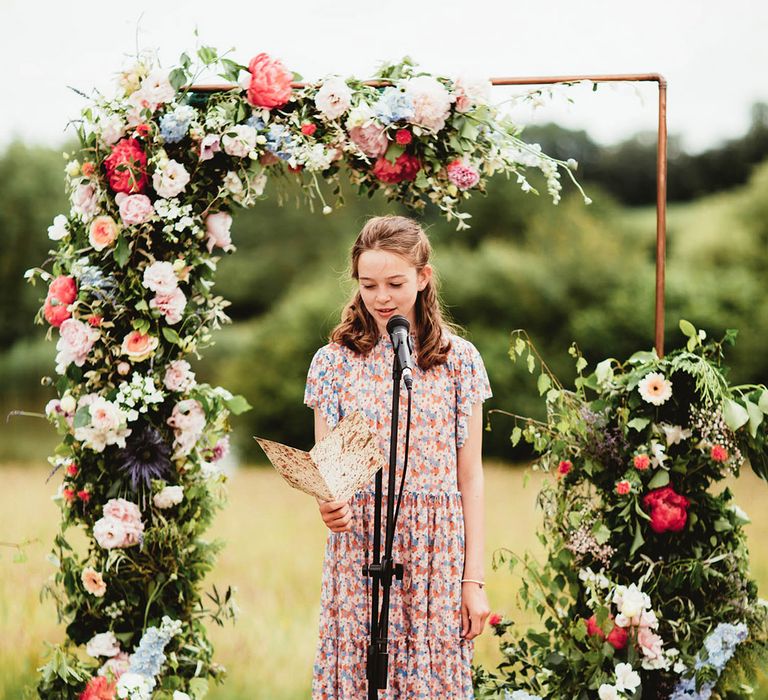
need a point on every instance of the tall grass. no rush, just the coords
(275, 541)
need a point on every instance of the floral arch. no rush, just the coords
(130, 294)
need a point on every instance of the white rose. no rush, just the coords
(59, 228)
(217, 228)
(111, 129)
(179, 376)
(85, 201)
(333, 98)
(608, 692)
(170, 180)
(168, 497)
(178, 695)
(160, 277)
(134, 686)
(239, 141)
(232, 182)
(104, 644)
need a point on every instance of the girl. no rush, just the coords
(440, 606)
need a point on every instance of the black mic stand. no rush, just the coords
(382, 571)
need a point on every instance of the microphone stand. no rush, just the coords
(382, 571)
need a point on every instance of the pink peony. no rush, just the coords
(134, 208)
(431, 102)
(126, 166)
(179, 376)
(217, 228)
(122, 510)
(371, 139)
(404, 168)
(115, 667)
(462, 175)
(103, 232)
(160, 277)
(333, 98)
(64, 288)
(75, 343)
(270, 84)
(170, 305)
(121, 525)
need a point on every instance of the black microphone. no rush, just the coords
(398, 328)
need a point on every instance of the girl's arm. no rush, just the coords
(337, 515)
(474, 606)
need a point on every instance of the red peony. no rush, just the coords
(403, 137)
(564, 467)
(404, 168)
(718, 453)
(127, 167)
(669, 510)
(61, 293)
(617, 637)
(270, 84)
(495, 619)
(55, 312)
(99, 688)
(308, 128)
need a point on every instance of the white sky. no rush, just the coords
(713, 54)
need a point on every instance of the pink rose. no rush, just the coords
(160, 277)
(217, 227)
(75, 343)
(123, 510)
(134, 208)
(650, 643)
(270, 84)
(84, 200)
(371, 139)
(111, 533)
(103, 232)
(139, 346)
(170, 305)
(462, 175)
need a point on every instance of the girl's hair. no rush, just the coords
(358, 330)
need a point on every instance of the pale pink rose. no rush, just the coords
(104, 644)
(105, 415)
(179, 376)
(160, 277)
(170, 305)
(239, 140)
(217, 228)
(111, 533)
(431, 102)
(168, 497)
(75, 343)
(111, 128)
(209, 146)
(139, 346)
(155, 90)
(106, 425)
(116, 666)
(188, 423)
(134, 208)
(333, 98)
(84, 200)
(93, 582)
(371, 139)
(170, 180)
(471, 92)
(123, 510)
(650, 644)
(102, 232)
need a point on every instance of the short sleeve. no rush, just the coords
(322, 389)
(472, 385)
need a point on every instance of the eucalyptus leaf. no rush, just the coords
(688, 329)
(660, 478)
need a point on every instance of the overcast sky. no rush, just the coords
(713, 54)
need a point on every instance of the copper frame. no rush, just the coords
(661, 162)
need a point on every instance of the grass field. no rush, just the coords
(275, 541)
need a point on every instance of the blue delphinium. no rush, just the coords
(720, 646)
(255, 122)
(279, 141)
(148, 659)
(174, 125)
(393, 106)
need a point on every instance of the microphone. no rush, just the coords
(398, 328)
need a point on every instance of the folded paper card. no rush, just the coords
(337, 467)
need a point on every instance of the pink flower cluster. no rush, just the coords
(462, 175)
(169, 300)
(121, 525)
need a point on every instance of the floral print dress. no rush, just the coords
(428, 659)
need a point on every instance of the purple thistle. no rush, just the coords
(146, 456)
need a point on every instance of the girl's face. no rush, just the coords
(389, 285)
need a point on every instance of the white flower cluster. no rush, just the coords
(138, 395)
(99, 423)
(179, 217)
(627, 681)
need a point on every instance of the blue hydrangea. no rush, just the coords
(174, 125)
(393, 106)
(686, 690)
(279, 141)
(256, 122)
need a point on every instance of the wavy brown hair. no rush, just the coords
(358, 330)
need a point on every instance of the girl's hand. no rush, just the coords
(474, 610)
(337, 515)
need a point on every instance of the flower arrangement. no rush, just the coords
(129, 294)
(645, 592)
